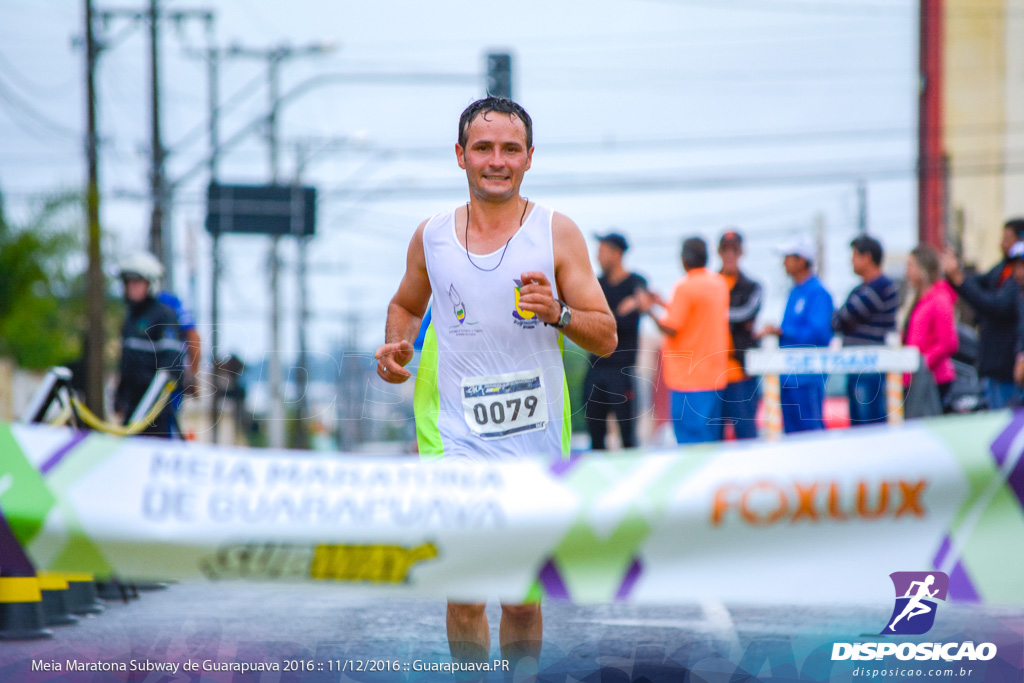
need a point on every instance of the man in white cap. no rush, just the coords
(150, 341)
(806, 322)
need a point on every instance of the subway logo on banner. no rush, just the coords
(376, 563)
(764, 502)
(825, 362)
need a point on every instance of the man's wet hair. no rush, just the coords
(865, 244)
(501, 105)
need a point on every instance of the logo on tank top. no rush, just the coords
(525, 319)
(463, 327)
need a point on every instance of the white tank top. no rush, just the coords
(490, 383)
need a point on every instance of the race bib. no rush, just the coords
(499, 406)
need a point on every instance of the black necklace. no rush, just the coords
(491, 270)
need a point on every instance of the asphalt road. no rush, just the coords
(318, 629)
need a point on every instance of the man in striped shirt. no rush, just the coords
(868, 315)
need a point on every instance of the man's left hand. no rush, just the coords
(536, 296)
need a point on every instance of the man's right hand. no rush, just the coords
(391, 361)
(951, 267)
(646, 299)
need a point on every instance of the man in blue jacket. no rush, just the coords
(806, 322)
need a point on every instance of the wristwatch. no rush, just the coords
(564, 318)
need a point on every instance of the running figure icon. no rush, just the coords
(917, 595)
(915, 607)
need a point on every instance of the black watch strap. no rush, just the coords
(563, 313)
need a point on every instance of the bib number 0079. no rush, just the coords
(500, 406)
(495, 413)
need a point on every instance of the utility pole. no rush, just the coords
(94, 274)
(302, 436)
(820, 230)
(157, 243)
(277, 413)
(95, 340)
(352, 379)
(213, 75)
(862, 207)
(274, 57)
(212, 56)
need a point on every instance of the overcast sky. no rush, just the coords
(662, 118)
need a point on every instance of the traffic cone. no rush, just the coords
(114, 589)
(54, 588)
(150, 585)
(21, 609)
(82, 597)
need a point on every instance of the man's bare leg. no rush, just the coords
(469, 638)
(520, 634)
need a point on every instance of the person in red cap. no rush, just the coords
(740, 396)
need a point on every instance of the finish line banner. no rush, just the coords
(824, 518)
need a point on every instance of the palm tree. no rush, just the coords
(38, 319)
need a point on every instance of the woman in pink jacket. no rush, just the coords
(931, 326)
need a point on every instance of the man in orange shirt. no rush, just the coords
(696, 350)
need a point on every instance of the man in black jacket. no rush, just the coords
(993, 296)
(150, 341)
(610, 388)
(741, 395)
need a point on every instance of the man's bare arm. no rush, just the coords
(646, 302)
(405, 314)
(665, 329)
(593, 325)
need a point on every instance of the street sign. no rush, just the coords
(261, 209)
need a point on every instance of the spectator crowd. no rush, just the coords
(708, 325)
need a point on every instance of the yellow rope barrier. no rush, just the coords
(92, 420)
(65, 414)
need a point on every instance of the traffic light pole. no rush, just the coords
(216, 402)
(95, 340)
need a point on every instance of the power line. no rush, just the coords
(22, 107)
(26, 83)
(803, 7)
(631, 145)
(811, 7)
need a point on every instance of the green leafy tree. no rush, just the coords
(39, 324)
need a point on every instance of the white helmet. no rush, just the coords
(144, 265)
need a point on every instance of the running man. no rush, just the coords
(509, 278)
(915, 606)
